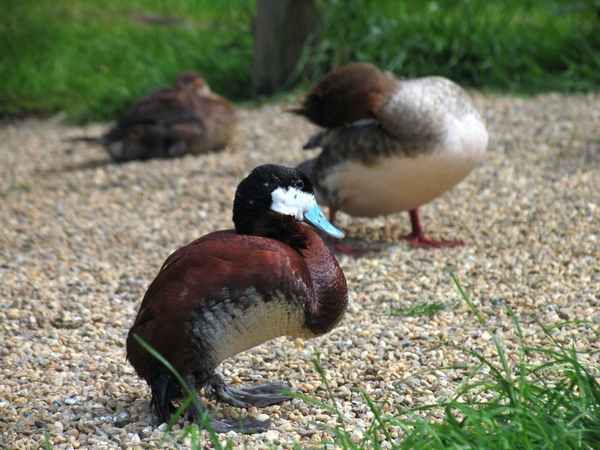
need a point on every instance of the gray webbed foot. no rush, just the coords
(247, 425)
(259, 395)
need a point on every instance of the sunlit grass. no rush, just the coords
(420, 309)
(92, 58)
(521, 46)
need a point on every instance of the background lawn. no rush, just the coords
(91, 58)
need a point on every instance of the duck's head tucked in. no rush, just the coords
(232, 290)
(190, 79)
(346, 95)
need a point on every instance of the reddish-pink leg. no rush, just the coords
(417, 237)
(337, 246)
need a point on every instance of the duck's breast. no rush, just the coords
(413, 174)
(234, 324)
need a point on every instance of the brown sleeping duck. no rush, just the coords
(171, 122)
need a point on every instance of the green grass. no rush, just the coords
(510, 45)
(555, 404)
(91, 58)
(420, 309)
(193, 431)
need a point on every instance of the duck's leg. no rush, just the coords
(259, 395)
(337, 246)
(417, 237)
(247, 425)
(160, 396)
(196, 408)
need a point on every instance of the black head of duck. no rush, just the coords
(389, 144)
(172, 122)
(231, 290)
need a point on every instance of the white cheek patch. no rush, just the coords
(292, 202)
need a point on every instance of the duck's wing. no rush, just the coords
(324, 136)
(364, 141)
(160, 110)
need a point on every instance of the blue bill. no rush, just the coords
(316, 218)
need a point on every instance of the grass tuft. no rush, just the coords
(420, 309)
(192, 431)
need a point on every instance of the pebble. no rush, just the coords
(81, 238)
(135, 439)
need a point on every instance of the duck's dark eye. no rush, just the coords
(299, 184)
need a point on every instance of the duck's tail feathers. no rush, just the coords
(317, 140)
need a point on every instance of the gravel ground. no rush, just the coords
(81, 238)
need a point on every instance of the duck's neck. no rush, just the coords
(330, 299)
(280, 227)
(328, 304)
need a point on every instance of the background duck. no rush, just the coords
(170, 122)
(389, 144)
(232, 290)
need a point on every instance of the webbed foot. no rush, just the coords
(258, 395)
(247, 425)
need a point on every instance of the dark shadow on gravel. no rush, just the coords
(76, 167)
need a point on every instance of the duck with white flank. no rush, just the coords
(232, 290)
(389, 145)
(171, 122)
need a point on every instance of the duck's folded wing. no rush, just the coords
(324, 136)
(162, 108)
(365, 141)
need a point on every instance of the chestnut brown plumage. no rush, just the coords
(232, 290)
